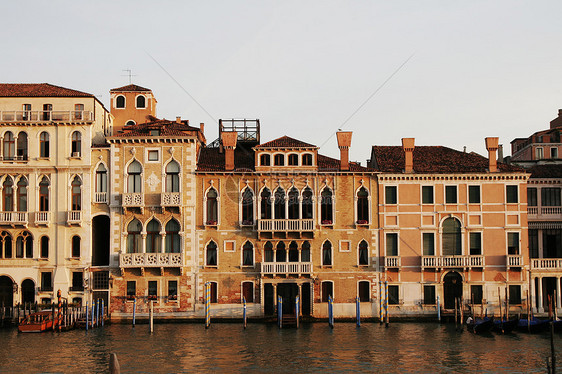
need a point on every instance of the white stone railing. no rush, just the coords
(272, 268)
(170, 199)
(133, 199)
(74, 216)
(547, 212)
(46, 115)
(514, 260)
(392, 261)
(42, 218)
(546, 263)
(551, 210)
(452, 261)
(532, 210)
(15, 218)
(285, 225)
(100, 197)
(132, 260)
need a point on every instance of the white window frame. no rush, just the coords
(157, 150)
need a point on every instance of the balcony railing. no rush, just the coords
(285, 225)
(100, 197)
(514, 260)
(13, 218)
(459, 261)
(171, 199)
(136, 260)
(133, 199)
(74, 217)
(544, 212)
(42, 218)
(392, 261)
(546, 263)
(46, 116)
(76, 288)
(296, 268)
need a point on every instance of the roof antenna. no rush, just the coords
(129, 74)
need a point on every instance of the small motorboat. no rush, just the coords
(480, 325)
(38, 322)
(532, 325)
(504, 326)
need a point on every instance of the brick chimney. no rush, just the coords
(229, 144)
(492, 147)
(408, 145)
(557, 122)
(344, 142)
(178, 119)
(202, 128)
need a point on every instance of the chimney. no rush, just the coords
(202, 128)
(500, 153)
(557, 122)
(492, 147)
(344, 142)
(408, 145)
(229, 144)
(178, 119)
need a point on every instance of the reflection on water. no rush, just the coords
(404, 347)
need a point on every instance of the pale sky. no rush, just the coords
(479, 68)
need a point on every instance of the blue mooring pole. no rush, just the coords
(93, 315)
(438, 310)
(97, 312)
(244, 312)
(134, 310)
(280, 311)
(86, 316)
(102, 310)
(358, 312)
(380, 303)
(297, 309)
(330, 311)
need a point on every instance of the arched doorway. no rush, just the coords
(6, 291)
(452, 289)
(100, 241)
(28, 291)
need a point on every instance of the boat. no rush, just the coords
(504, 327)
(38, 322)
(480, 325)
(532, 325)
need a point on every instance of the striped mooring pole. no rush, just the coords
(380, 303)
(207, 305)
(244, 316)
(97, 312)
(102, 311)
(357, 312)
(330, 311)
(386, 303)
(134, 310)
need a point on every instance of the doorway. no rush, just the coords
(28, 291)
(452, 289)
(6, 291)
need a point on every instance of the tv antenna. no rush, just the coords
(129, 74)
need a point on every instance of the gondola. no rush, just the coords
(532, 326)
(504, 327)
(480, 325)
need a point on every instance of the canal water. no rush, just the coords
(263, 348)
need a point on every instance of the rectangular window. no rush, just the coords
(248, 291)
(131, 290)
(393, 295)
(392, 244)
(214, 293)
(451, 194)
(153, 155)
(427, 194)
(345, 246)
(327, 290)
(511, 194)
(531, 196)
(390, 195)
(429, 295)
(552, 243)
(428, 244)
(77, 281)
(554, 152)
(539, 154)
(514, 294)
(152, 290)
(229, 246)
(476, 293)
(46, 281)
(364, 292)
(533, 243)
(101, 280)
(550, 196)
(474, 194)
(475, 243)
(513, 243)
(172, 290)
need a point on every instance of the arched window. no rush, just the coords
(326, 207)
(212, 207)
(134, 177)
(153, 237)
(6, 241)
(76, 246)
(101, 178)
(307, 159)
(141, 102)
(8, 194)
(247, 207)
(173, 241)
(44, 194)
(120, 101)
(9, 149)
(265, 160)
(76, 194)
(211, 254)
(21, 151)
(44, 144)
(363, 253)
(44, 247)
(280, 203)
(362, 206)
(134, 237)
(173, 177)
(305, 251)
(24, 245)
(76, 144)
(265, 201)
(130, 123)
(451, 237)
(327, 253)
(293, 252)
(22, 195)
(293, 159)
(268, 252)
(247, 254)
(307, 208)
(293, 203)
(281, 252)
(279, 160)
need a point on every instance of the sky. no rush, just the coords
(444, 72)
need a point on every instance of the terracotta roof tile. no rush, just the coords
(432, 159)
(210, 159)
(285, 142)
(166, 128)
(546, 171)
(38, 90)
(130, 88)
(326, 163)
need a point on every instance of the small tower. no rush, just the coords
(130, 105)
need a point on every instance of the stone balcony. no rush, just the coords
(13, 218)
(42, 218)
(155, 260)
(455, 261)
(514, 261)
(135, 199)
(552, 264)
(170, 199)
(286, 268)
(285, 225)
(544, 213)
(64, 116)
(100, 198)
(74, 217)
(392, 262)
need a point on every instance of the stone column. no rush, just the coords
(143, 244)
(540, 306)
(300, 297)
(558, 293)
(531, 300)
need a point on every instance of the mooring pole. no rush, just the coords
(297, 309)
(97, 312)
(86, 316)
(330, 311)
(151, 316)
(134, 310)
(386, 302)
(244, 311)
(280, 311)
(380, 303)
(102, 312)
(462, 314)
(93, 315)
(357, 312)
(207, 305)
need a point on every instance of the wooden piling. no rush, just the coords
(151, 316)
(456, 306)
(244, 317)
(114, 367)
(134, 310)
(462, 314)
